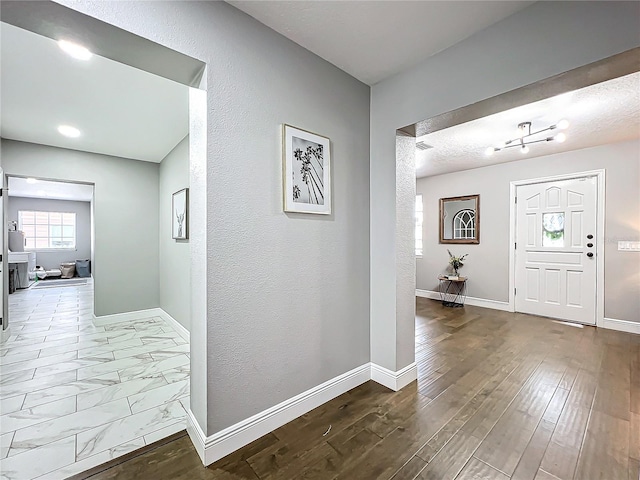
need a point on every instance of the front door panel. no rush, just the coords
(555, 258)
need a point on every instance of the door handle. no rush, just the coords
(589, 254)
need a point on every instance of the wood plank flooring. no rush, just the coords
(499, 396)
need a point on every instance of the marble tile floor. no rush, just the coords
(76, 391)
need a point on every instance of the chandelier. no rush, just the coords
(526, 137)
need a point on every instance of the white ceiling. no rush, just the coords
(120, 110)
(604, 113)
(373, 40)
(20, 187)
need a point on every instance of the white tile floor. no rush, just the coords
(76, 391)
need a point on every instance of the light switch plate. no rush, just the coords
(627, 246)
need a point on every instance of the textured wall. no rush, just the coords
(540, 41)
(405, 250)
(82, 210)
(175, 255)
(288, 295)
(488, 263)
(125, 215)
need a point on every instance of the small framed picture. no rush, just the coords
(180, 214)
(306, 171)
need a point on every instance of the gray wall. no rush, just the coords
(538, 42)
(488, 263)
(175, 255)
(82, 210)
(288, 295)
(125, 215)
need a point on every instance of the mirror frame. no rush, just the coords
(476, 239)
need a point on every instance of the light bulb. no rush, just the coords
(524, 149)
(561, 137)
(562, 124)
(76, 51)
(489, 151)
(68, 131)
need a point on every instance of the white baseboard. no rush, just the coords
(196, 435)
(177, 326)
(394, 380)
(141, 314)
(620, 325)
(5, 334)
(427, 294)
(127, 316)
(476, 302)
(221, 444)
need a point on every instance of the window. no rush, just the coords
(419, 217)
(48, 230)
(553, 229)
(464, 224)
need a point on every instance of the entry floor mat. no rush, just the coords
(62, 282)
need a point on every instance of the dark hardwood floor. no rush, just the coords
(498, 396)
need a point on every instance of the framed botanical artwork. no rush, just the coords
(306, 171)
(180, 214)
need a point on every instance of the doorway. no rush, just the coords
(69, 377)
(556, 246)
(50, 230)
(50, 244)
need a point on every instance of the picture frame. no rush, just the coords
(460, 220)
(180, 214)
(306, 171)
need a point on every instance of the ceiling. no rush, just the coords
(373, 40)
(32, 188)
(120, 110)
(604, 113)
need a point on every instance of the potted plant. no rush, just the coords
(456, 262)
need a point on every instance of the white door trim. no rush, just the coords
(600, 211)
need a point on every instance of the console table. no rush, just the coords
(453, 291)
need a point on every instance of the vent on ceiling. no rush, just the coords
(423, 146)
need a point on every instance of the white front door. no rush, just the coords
(555, 254)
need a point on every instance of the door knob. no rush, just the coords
(589, 236)
(589, 254)
(589, 245)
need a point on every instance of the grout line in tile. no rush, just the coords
(76, 321)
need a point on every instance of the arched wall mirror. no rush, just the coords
(460, 219)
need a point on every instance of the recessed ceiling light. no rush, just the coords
(76, 51)
(69, 131)
(32, 180)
